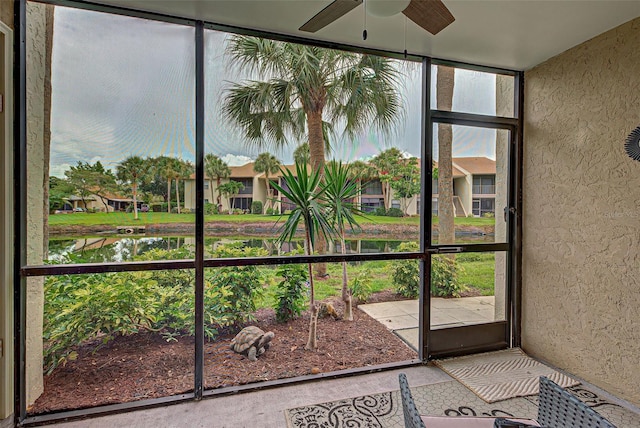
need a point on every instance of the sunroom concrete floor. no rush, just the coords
(263, 408)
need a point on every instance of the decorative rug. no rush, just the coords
(384, 410)
(496, 376)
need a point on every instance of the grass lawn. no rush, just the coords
(478, 271)
(120, 219)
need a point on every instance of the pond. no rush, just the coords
(119, 248)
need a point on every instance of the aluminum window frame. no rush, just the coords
(22, 270)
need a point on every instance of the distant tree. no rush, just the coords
(80, 179)
(86, 180)
(59, 190)
(406, 183)
(218, 169)
(132, 172)
(231, 190)
(386, 164)
(167, 168)
(268, 164)
(301, 154)
(104, 182)
(184, 169)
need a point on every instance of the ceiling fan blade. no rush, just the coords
(432, 15)
(329, 14)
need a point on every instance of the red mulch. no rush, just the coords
(146, 366)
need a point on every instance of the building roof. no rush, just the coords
(456, 172)
(475, 165)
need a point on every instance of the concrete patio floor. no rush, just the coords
(401, 316)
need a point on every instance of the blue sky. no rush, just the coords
(124, 86)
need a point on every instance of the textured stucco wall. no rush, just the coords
(581, 254)
(36, 69)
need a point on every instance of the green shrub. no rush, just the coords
(405, 275)
(272, 211)
(361, 285)
(210, 209)
(256, 207)
(243, 282)
(444, 276)
(159, 207)
(82, 308)
(290, 292)
(395, 212)
(380, 211)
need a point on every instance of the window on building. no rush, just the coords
(482, 206)
(395, 203)
(373, 187)
(484, 184)
(248, 185)
(371, 204)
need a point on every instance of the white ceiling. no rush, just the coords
(512, 34)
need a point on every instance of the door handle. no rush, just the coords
(448, 250)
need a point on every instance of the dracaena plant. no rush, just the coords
(339, 195)
(304, 192)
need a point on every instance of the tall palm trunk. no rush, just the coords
(269, 195)
(446, 229)
(211, 188)
(169, 196)
(178, 194)
(346, 295)
(134, 189)
(316, 156)
(219, 198)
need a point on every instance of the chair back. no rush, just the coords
(558, 408)
(411, 416)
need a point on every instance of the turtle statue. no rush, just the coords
(252, 342)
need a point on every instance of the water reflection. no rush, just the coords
(118, 248)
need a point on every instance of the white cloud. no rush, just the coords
(236, 160)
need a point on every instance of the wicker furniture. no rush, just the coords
(559, 408)
(412, 418)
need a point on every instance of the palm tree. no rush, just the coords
(446, 231)
(339, 194)
(230, 190)
(304, 90)
(303, 84)
(183, 170)
(218, 169)
(168, 168)
(132, 170)
(303, 190)
(268, 164)
(301, 154)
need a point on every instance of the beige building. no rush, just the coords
(474, 188)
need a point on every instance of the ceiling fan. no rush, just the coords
(432, 15)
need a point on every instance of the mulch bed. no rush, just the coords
(145, 366)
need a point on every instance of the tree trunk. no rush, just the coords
(446, 230)
(135, 200)
(169, 196)
(316, 156)
(269, 197)
(219, 198)
(178, 195)
(346, 295)
(211, 188)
